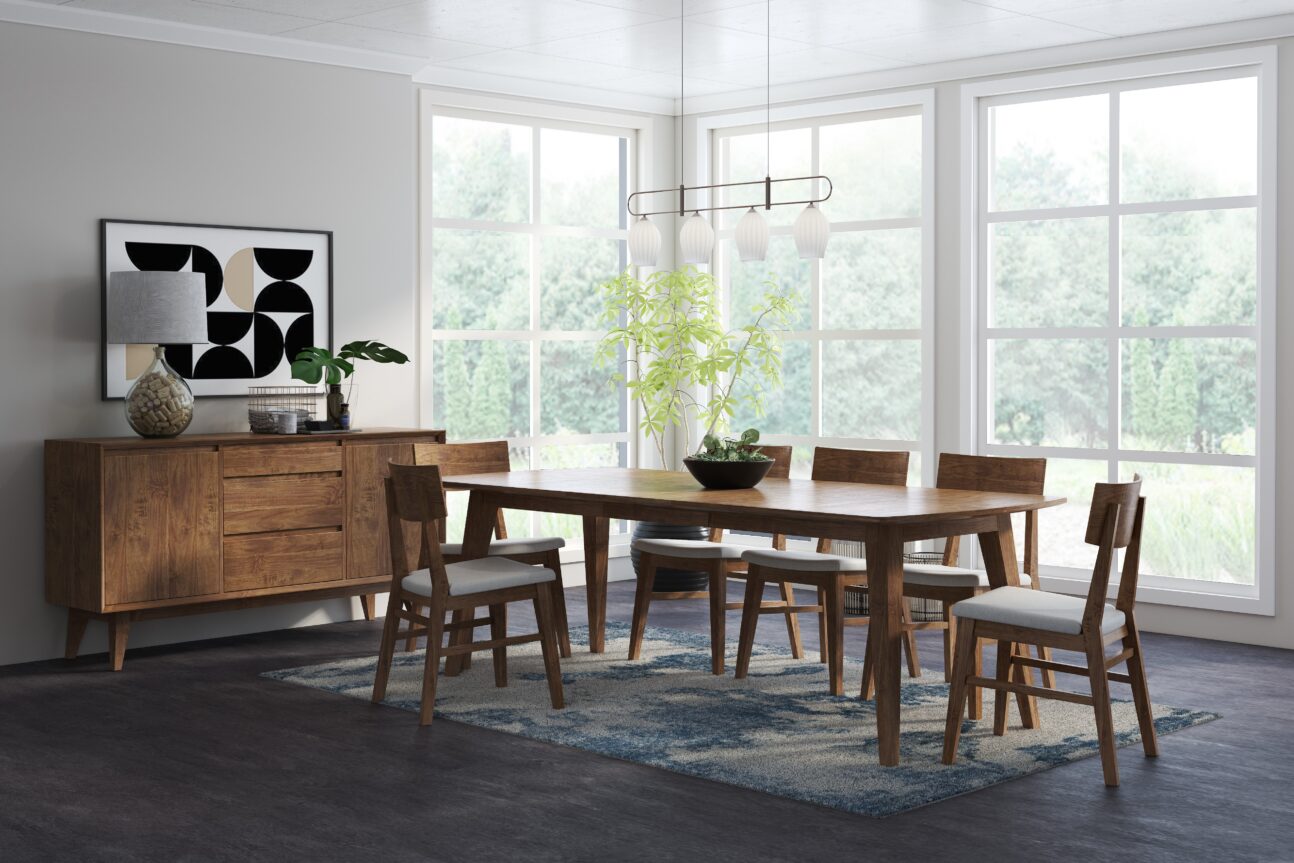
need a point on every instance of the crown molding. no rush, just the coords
(197, 36)
(576, 94)
(925, 75)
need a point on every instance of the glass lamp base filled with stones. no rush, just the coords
(160, 403)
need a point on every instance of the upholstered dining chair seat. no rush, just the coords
(698, 549)
(480, 575)
(1034, 609)
(938, 575)
(504, 547)
(805, 561)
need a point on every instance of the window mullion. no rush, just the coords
(1114, 377)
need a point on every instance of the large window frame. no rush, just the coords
(634, 129)
(710, 134)
(976, 386)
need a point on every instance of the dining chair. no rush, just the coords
(456, 459)
(827, 572)
(720, 561)
(414, 494)
(947, 583)
(1087, 625)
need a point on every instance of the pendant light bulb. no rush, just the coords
(696, 240)
(752, 236)
(644, 243)
(811, 232)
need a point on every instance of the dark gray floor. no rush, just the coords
(189, 755)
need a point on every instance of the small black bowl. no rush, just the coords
(727, 474)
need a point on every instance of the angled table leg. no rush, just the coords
(597, 530)
(482, 515)
(885, 588)
(998, 549)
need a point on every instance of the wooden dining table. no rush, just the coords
(882, 517)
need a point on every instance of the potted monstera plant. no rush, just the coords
(685, 370)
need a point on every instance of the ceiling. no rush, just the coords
(632, 46)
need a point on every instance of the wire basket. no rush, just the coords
(264, 402)
(856, 599)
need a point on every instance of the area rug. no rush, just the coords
(778, 731)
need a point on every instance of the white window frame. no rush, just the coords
(813, 116)
(638, 129)
(1257, 598)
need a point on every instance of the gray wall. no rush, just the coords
(96, 126)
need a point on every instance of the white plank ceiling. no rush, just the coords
(633, 46)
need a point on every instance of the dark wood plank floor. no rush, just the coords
(189, 755)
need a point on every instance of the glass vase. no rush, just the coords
(159, 403)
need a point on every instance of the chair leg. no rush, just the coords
(386, 652)
(910, 643)
(869, 668)
(554, 562)
(962, 670)
(1140, 691)
(1004, 673)
(411, 641)
(431, 667)
(975, 695)
(749, 620)
(822, 626)
(1101, 707)
(458, 662)
(1027, 703)
(1048, 676)
(718, 615)
(950, 639)
(499, 629)
(548, 643)
(642, 601)
(792, 622)
(835, 610)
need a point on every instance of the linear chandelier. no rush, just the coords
(696, 238)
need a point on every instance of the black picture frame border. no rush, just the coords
(103, 288)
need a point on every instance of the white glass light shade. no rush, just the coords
(644, 243)
(696, 240)
(752, 236)
(811, 232)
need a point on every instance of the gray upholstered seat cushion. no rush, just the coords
(477, 576)
(697, 549)
(1034, 609)
(804, 561)
(937, 575)
(503, 547)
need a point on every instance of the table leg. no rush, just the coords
(597, 530)
(885, 589)
(482, 515)
(998, 549)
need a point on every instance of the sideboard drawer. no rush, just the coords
(283, 559)
(272, 459)
(263, 503)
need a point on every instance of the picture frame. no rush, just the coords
(269, 294)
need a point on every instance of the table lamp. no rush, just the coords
(157, 308)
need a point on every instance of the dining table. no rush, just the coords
(882, 517)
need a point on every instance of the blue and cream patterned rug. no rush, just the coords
(778, 731)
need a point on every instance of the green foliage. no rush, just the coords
(731, 449)
(313, 364)
(667, 328)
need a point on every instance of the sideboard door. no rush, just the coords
(368, 547)
(161, 537)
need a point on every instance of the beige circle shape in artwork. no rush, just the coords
(239, 278)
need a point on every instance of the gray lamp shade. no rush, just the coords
(152, 308)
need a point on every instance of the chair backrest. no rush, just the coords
(456, 459)
(874, 467)
(781, 469)
(877, 467)
(414, 494)
(995, 473)
(1114, 521)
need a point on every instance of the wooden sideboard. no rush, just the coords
(139, 528)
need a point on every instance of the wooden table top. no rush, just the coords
(841, 501)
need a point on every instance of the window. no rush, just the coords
(857, 368)
(527, 218)
(1121, 293)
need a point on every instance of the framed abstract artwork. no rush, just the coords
(269, 294)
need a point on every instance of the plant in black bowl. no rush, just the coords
(729, 462)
